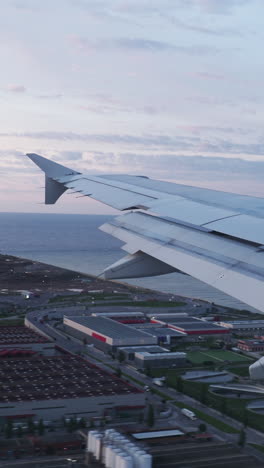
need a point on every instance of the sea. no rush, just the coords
(74, 241)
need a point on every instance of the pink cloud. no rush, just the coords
(15, 88)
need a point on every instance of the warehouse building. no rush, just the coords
(151, 357)
(245, 327)
(53, 387)
(105, 333)
(252, 346)
(191, 326)
(164, 334)
(123, 317)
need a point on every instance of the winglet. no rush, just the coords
(53, 188)
(51, 168)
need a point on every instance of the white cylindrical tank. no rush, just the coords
(109, 433)
(146, 461)
(98, 445)
(126, 462)
(130, 447)
(108, 455)
(116, 460)
(103, 452)
(138, 456)
(93, 441)
(88, 444)
(120, 457)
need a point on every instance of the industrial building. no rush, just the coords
(251, 345)
(190, 325)
(106, 333)
(24, 339)
(245, 327)
(52, 387)
(123, 317)
(151, 357)
(164, 334)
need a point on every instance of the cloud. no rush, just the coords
(138, 44)
(50, 96)
(151, 141)
(209, 76)
(70, 156)
(146, 8)
(16, 88)
(215, 7)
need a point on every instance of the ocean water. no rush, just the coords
(74, 242)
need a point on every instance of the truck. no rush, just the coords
(158, 382)
(188, 413)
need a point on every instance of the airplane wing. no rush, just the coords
(214, 236)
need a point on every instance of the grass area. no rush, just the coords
(216, 356)
(123, 374)
(163, 395)
(152, 304)
(258, 447)
(241, 371)
(15, 322)
(87, 297)
(222, 426)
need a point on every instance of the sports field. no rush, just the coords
(198, 357)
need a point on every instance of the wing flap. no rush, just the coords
(228, 265)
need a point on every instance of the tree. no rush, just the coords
(245, 417)
(223, 406)
(147, 371)
(19, 431)
(179, 384)
(121, 356)
(150, 416)
(204, 393)
(9, 429)
(70, 425)
(242, 438)
(202, 427)
(31, 426)
(41, 427)
(82, 423)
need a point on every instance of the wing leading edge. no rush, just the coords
(214, 236)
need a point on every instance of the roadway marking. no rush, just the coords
(212, 357)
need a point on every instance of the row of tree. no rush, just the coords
(31, 428)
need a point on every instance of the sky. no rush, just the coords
(171, 89)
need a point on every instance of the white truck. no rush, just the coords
(158, 382)
(188, 413)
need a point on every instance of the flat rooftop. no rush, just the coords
(19, 335)
(109, 327)
(166, 331)
(244, 322)
(190, 323)
(50, 378)
(155, 434)
(157, 329)
(141, 349)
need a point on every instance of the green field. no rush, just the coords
(198, 357)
